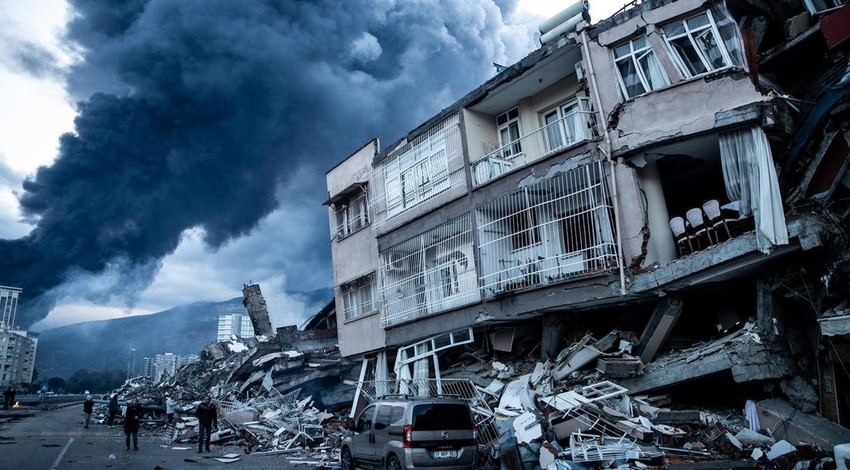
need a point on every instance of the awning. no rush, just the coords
(347, 193)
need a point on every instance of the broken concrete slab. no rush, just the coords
(783, 421)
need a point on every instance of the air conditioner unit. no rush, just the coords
(580, 75)
(396, 262)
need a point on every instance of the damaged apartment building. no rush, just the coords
(676, 173)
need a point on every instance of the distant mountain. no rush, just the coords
(105, 344)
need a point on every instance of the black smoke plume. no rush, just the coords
(195, 113)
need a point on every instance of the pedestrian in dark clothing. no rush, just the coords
(113, 409)
(132, 418)
(207, 414)
(88, 408)
(12, 398)
(7, 396)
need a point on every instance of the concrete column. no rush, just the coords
(254, 302)
(663, 319)
(765, 310)
(552, 336)
(662, 246)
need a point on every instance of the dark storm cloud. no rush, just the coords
(196, 113)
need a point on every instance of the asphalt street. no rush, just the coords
(56, 440)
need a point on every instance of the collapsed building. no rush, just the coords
(676, 174)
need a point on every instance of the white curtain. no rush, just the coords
(750, 178)
(653, 71)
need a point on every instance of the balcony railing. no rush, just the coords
(552, 231)
(543, 142)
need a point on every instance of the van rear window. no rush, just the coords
(441, 416)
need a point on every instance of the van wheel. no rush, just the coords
(393, 463)
(346, 460)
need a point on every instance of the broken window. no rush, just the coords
(567, 124)
(695, 45)
(638, 69)
(429, 273)
(358, 297)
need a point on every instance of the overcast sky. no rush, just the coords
(160, 152)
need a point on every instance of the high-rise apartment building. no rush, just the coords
(234, 323)
(8, 306)
(17, 347)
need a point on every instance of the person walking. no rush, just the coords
(7, 396)
(169, 408)
(207, 414)
(132, 418)
(88, 408)
(113, 409)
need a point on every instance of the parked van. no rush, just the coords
(403, 432)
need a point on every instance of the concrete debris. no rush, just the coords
(593, 405)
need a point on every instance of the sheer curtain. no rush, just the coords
(750, 177)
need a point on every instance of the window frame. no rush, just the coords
(352, 215)
(359, 297)
(509, 122)
(571, 110)
(691, 35)
(635, 55)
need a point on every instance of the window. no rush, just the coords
(358, 297)
(419, 172)
(638, 70)
(509, 133)
(352, 216)
(567, 123)
(695, 46)
(524, 229)
(364, 422)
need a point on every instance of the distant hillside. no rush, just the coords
(105, 344)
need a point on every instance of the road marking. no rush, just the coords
(61, 454)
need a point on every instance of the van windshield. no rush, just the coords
(441, 416)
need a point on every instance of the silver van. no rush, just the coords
(406, 432)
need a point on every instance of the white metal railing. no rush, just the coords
(418, 176)
(547, 140)
(430, 273)
(547, 232)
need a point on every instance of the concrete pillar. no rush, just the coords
(765, 310)
(552, 336)
(662, 246)
(661, 323)
(254, 302)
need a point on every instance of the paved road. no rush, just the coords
(55, 440)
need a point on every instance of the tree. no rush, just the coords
(56, 384)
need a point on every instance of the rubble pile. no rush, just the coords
(592, 404)
(573, 412)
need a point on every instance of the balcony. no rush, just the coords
(556, 230)
(555, 137)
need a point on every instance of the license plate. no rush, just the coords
(444, 454)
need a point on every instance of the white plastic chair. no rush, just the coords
(698, 225)
(716, 220)
(680, 233)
